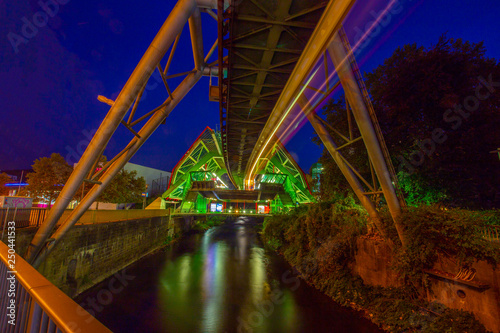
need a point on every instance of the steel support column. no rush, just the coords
(196, 39)
(361, 115)
(344, 168)
(111, 172)
(170, 29)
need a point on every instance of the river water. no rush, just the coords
(222, 280)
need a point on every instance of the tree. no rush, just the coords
(4, 179)
(85, 187)
(124, 188)
(48, 177)
(439, 109)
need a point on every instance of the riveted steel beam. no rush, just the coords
(170, 29)
(328, 24)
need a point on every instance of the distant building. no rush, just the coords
(157, 180)
(18, 180)
(316, 171)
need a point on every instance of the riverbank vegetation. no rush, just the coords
(444, 160)
(442, 148)
(432, 231)
(320, 242)
(210, 222)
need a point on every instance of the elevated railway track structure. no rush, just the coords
(277, 62)
(201, 184)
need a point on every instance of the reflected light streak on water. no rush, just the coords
(213, 287)
(222, 281)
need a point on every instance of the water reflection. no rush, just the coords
(223, 281)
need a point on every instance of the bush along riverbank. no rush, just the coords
(209, 222)
(320, 242)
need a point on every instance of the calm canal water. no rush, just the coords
(220, 281)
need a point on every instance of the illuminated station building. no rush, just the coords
(200, 182)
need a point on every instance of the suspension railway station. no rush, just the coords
(200, 183)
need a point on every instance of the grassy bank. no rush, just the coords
(209, 222)
(320, 242)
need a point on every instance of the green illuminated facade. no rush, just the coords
(200, 184)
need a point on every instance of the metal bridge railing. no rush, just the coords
(34, 217)
(33, 304)
(491, 233)
(24, 217)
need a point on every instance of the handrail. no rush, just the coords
(34, 217)
(24, 217)
(491, 232)
(39, 305)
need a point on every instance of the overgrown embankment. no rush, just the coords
(208, 222)
(320, 241)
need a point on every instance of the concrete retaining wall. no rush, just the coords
(373, 260)
(90, 253)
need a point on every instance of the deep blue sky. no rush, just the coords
(49, 88)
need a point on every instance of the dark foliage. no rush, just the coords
(419, 92)
(320, 242)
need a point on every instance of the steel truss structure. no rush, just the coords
(203, 162)
(263, 44)
(184, 12)
(203, 155)
(275, 49)
(326, 63)
(281, 162)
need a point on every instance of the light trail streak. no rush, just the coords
(301, 115)
(278, 126)
(249, 178)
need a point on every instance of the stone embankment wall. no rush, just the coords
(90, 253)
(481, 295)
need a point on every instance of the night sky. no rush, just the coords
(49, 88)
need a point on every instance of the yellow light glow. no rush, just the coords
(279, 124)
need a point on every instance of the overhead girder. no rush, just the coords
(264, 41)
(327, 25)
(329, 43)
